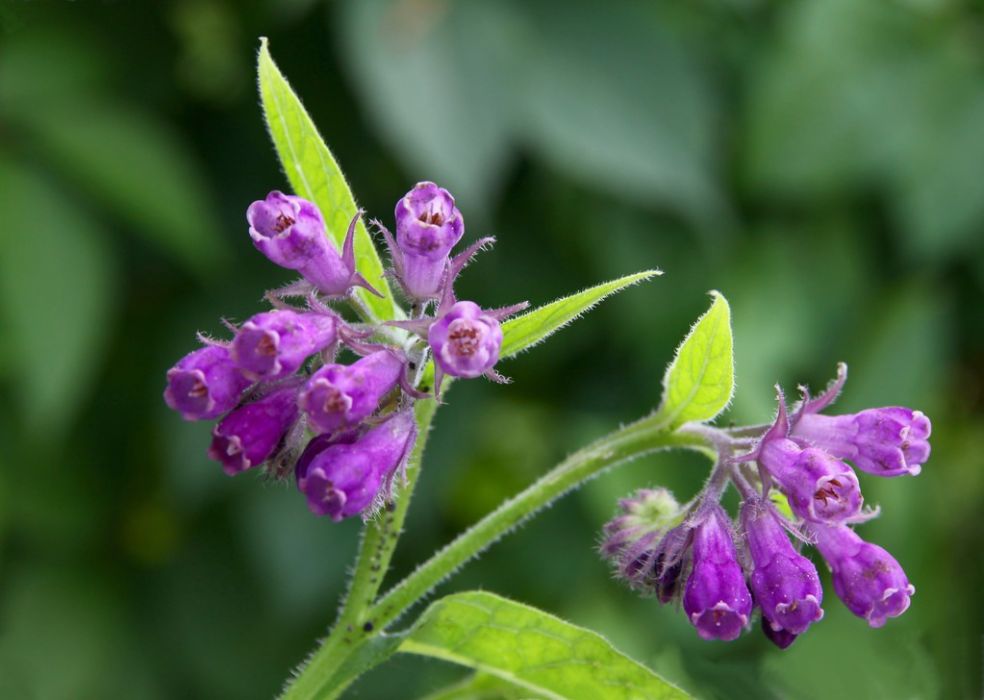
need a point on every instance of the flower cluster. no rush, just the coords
(282, 399)
(793, 480)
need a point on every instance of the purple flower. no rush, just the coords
(428, 225)
(866, 577)
(884, 441)
(631, 538)
(670, 561)
(465, 341)
(290, 231)
(204, 384)
(345, 476)
(251, 434)
(275, 344)
(337, 396)
(716, 598)
(780, 637)
(820, 488)
(785, 583)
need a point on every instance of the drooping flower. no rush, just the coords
(785, 583)
(428, 226)
(274, 344)
(339, 396)
(252, 433)
(887, 441)
(290, 231)
(204, 384)
(465, 341)
(716, 599)
(820, 488)
(868, 579)
(349, 475)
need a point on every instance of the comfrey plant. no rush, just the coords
(335, 386)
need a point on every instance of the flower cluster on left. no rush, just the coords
(282, 400)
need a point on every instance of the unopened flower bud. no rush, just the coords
(884, 441)
(785, 583)
(204, 384)
(251, 434)
(345, 476)
(338, 396)
(716, 598)
(867, 578)
(820, 488)
(428, 225)
(631, 538)
(275, 344)
(465, 341)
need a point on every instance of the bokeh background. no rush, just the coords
(821, 163)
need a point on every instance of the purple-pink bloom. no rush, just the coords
(884, 441)
(251, 434)
(428, 225)
(716, 598)
(868, 579)
(290, 231)
(274, 344)
(465, 341)
(204, 384)
(820, 488)
(785, 583)
(345, 476)
(338, 396)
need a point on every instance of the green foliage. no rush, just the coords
(531, 649)
(314, 175)
(55, 253)
(523, 332)
(700, 381)
(483, 686)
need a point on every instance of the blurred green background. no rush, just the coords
(821, 163)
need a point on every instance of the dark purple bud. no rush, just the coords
(632, 536)
(428, 225)
(345, 477)
(204, 384)
(785, 583)
(883, 441)
(275, 344)
(671, 558)
(465, 341)
(338, 396)
(867, 578)
(716, 598)
(290, 231)
(820, 488)
(251, 434)
(780, 637)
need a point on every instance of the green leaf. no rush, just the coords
(314, 175)
(531, 328)
(701, 379)
(483, 686)
(56, 283)
(531, 649)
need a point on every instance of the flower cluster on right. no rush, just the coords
(793, 481)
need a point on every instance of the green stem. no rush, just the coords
(318, 679)
(379, 539)
(632, 441)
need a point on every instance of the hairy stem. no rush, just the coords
(379, 539)
(623, 445)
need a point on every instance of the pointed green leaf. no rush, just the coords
(531, 649)
(483, 686)
(314, 174)
(701, 379)
(529, 329)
